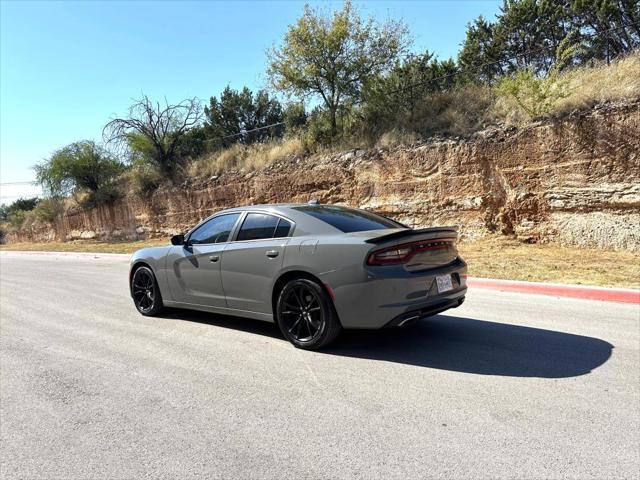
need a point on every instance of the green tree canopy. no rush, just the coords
(396, 94)
(19, 205)
(80, 168)
(610, 27)
(332, 55)
(530, 34)
(240, 111)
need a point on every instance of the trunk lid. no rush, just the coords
(428, 247)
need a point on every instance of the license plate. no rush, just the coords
(444, 283)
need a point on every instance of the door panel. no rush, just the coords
(195, 267)
(194, 275)
(248, 270)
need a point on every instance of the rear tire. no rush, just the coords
(306, 315)
(145, 292)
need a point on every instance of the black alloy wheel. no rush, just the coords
(306, 315)
(145, 292)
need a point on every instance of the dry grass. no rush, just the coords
(500, 257)
(85, 246)
(246, 157)
(459, 112)
(590, 85)
(491, 257)
(396, 138)
(455, 112)
(585, 87)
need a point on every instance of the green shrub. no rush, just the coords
(47, 210)
(15, 213)
(16, 218)
(83, 169)
(536, 95)
(145, 179)
(106, 193)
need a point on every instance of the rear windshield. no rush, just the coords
(349, 219)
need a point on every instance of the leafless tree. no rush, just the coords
(155, 130)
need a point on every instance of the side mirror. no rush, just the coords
(177, 240)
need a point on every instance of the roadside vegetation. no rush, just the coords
(338, 80)
(84, 246)
(497, 256)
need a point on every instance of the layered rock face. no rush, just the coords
(574, 180)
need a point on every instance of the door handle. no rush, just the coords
(214, 258)
(272, 253)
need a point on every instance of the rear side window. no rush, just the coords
(283, 229)
(349, 219)
(257, 226)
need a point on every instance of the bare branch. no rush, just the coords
(163, 126)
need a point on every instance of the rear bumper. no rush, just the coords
(388, 298)
(410, 317)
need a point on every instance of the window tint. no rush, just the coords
(257, 226)
(349, 219)
(283, 229)
(216, 230)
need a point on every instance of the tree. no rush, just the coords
(525, 35)
(481, 56)
(154, 131)
(238, 112)
(528, 34)
(612, 27)
(390, 99)
(295, 116)
(333, 56)
(410, 80)
(14, 212)
(80, 168)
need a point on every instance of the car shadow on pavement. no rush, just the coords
(476, 346)
(225, 321)
(450, 343)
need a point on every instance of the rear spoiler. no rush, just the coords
(409, 232)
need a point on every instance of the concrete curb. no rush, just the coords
(622, 295)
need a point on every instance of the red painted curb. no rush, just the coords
(573, 291)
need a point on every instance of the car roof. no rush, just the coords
(265, 206)
(304, 223)
(286, 209)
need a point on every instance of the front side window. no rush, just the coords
(216, 230)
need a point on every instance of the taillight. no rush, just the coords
(403, 253)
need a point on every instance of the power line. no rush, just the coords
(244, 132)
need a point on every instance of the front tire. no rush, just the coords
(306, 316)
(145, 292)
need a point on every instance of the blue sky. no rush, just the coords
(66, 67)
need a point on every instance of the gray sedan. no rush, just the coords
(313, 269)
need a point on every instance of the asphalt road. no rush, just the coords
(508, 385)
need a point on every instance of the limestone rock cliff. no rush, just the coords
(574, 180)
